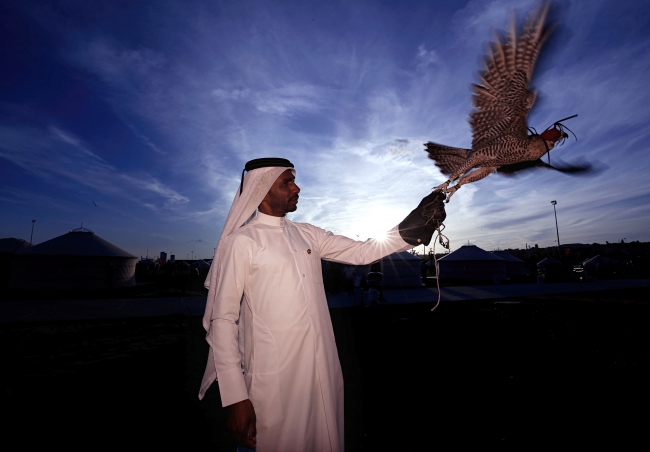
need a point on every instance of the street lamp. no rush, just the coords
(557, 231)
(32, 236)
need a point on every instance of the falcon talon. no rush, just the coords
(442, 187)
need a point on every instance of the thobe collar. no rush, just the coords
(271, 220)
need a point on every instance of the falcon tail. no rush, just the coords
(448, 159)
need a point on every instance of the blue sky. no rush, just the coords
(136, 117)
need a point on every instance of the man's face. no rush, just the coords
(282, 197)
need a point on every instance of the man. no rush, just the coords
(272, 347)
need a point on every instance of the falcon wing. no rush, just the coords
(580, 167)
(502, 98)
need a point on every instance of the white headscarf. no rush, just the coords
(257, 184)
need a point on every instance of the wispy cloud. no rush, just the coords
(146, 139)
(35, 198)
(54, 154)
(288, 99)
(427, 57)
(234, 94)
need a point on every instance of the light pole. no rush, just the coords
(32, 236)
(557, 231)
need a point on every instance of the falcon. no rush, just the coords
(501, 100)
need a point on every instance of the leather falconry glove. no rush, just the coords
(418, 227)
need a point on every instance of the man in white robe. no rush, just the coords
(272, 346)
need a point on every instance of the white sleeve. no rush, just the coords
(223, 335)
(342, 249)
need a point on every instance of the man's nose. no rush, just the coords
(296, 188)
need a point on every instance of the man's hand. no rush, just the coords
(241, 423)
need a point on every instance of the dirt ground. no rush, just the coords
(508, 374)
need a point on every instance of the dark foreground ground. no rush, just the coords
(555, 371)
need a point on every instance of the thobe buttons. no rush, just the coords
(308, 251)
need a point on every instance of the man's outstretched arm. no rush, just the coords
(416, 229)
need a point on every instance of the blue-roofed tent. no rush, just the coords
(76, 260)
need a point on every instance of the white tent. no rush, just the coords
(551, 269)
(8, 247)
(514, 266)
(471, 263)
(76, 260)
(11, 245)
(200, 264)
(401, 270)
(550, 263)
(596, 263)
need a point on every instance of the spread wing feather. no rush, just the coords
(502, 99)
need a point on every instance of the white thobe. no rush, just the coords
(271, 331)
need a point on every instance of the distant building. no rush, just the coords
(76, 260)
(163, 257)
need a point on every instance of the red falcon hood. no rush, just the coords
(553, 135)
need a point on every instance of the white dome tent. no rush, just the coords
(76, 260)
(9, 246)
(401, 269)
(514, 267)
(200, 264)
(471, 263)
